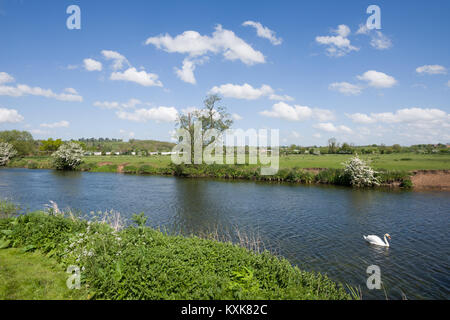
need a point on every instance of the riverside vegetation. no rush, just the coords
(138, 262)
(309, 169)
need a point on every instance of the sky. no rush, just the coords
(311, 69)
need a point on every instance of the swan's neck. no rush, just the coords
(386, 242)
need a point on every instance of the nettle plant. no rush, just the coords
(360, 173)
(7, 152)
(68, 156)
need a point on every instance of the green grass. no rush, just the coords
(377, 161)
(397, 161)
(139, 262)
(33, 276)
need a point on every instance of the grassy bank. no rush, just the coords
(138, 262)
(392, 162)
(393, 170)
(33, 276)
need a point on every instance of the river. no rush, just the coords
(318, 228)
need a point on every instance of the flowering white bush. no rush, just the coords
(360, 174)
(68, 156)
(7, 151)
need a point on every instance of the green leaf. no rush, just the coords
(28, 248)
(6, 232)
(4, 244)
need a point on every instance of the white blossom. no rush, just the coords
(361, 175)
(68, 156)
(7, 152)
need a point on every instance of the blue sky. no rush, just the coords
(312, 71)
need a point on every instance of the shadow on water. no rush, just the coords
(318, 228)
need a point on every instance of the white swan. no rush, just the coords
(376, 240)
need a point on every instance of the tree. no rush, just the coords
(211, 116)
(346, 148)
(359, 173)
(50, 145)
(7, 152)
(397, 148)
(68, 156)
(22, 141)
(332, 145)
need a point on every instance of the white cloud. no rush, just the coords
(338, 45)
(22, 89)
(248, 92)
(107, 104)
(92, 65)
(117, 105)
(360, 118)
(5, 78)
(186, 73)
(432, 69)
(378, 39)
(159, 114)
(131, 103)
(236, 117)
(71, 90)
(323, 114)
(407, 115)
(141, 77)
(285, 111)
(224, 41)
(363, 29)
(194, 45)
(345, 88)
(409, 125)
(377, 79)
(278, 97)
(330, 127)
(244, 91)
(264, 32)
(10, 115)
(118, 59)
(60, 124)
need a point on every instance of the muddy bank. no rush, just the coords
(431, 179)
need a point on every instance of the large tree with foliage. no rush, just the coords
(212, 116)
(50, 145)
(22, 141)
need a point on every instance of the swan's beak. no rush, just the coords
(389, 237)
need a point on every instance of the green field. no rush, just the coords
(397, 161)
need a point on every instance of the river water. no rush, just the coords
(318, 228)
